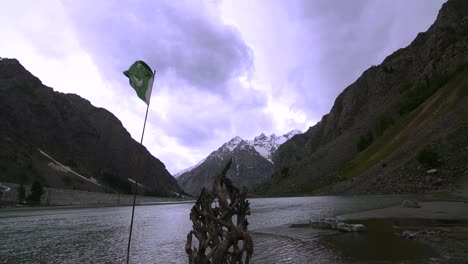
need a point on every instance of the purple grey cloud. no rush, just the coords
(180, 37)
(325, 45)
(224, 67)
(190, 48)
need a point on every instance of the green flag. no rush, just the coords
(141, 79)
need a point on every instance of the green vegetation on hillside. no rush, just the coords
(406, 127)
(364, 141)
(21, 193)
(421, 93)
(383, 123)
(428, 156)
(462, 120)
(117, 183)
(36, 193)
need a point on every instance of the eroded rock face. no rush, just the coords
(419, 91)
(89, 140)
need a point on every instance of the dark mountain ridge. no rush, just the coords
(38, 122)
(370, 140)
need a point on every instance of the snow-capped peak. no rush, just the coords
(266, 146)
(292, 133)
(233, 143)
(262, 137)
(280, 140)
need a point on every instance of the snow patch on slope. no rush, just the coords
(59, 166)
(177, 175)
(133, 182)
(233, 143)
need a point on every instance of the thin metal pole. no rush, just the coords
(136, 185)
(137, 174)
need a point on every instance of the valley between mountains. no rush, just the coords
(401, 127)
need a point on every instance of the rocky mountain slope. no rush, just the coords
(65, 142)
(251, 163)
(401, 127)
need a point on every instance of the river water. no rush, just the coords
(99, 235)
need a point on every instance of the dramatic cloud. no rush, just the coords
(180, 37)
(225, 68)
(312, 50)
(197, 57)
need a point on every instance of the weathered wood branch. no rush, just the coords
(220, 240)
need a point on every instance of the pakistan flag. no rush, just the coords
(141, 79)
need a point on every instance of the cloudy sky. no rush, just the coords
(224, 67)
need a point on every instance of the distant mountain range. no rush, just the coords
(252, 162)
(63, 141)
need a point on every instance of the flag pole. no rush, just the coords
(137, 174)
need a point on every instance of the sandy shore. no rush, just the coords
(429, 211)
(441, 225)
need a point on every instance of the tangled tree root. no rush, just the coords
(220, 241)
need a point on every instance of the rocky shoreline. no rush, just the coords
(443, 226)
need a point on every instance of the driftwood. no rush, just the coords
(220, 240)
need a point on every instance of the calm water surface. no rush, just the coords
(99, 235)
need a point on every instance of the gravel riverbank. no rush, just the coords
(441, 225)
